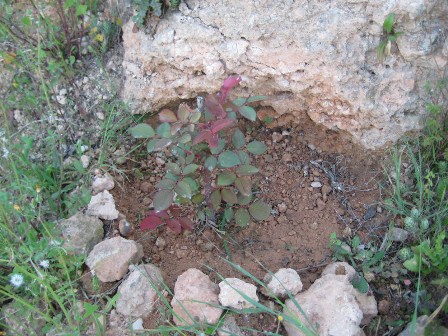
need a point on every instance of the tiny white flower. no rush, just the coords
(44, 263)
(16, 280)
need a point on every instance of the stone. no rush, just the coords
(102, 205)
(229, 295)
(110, 259)
(137, 294)
(125, 227)
(229, 327)
(101, 183)
(316, 184)
(81, 233)
(195, 299)
(85, 161)
(420, 328)
(328, 304)
(399, 235)
(340, 268)
(367, 304)
(137, 325)
(160, 243)
(146, 187)
(384, 307)
(284, 281)
(307, 56)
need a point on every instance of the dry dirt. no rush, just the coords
(297, 234)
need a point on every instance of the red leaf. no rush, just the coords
(150, 222)
(213, 105)
(231, 82)
(213, 142)
(174, 224)
(221, 124)
(161, 214)
(203, 135)
(167, 116)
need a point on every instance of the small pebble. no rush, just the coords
(85, 161)
(282, 207)
(160, 243)
(137, 325)
(125, 228)
(100, 115)
(316, 184)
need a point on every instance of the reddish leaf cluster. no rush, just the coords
(172, 217)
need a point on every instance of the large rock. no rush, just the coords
(329, 305)
(285, 281)
(111, 258)
(232, 291)
(194, 299)
(102, 205)
(81, 233)
(138, 293)
(312, 57)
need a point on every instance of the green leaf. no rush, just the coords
(244, 185)
(256, 98)
(412, 264)
(210, 163)
(260, 210)
(173, 168)
(215, 199)
(228, 159)
(238, 139)
(388, 23)
(142, 131)
(183, 112)
(221, 145)
(242, 217)
(26, 20)
(228, 214)
(256, 147)
(81, 10)
(191, 168)
(244, 157)
(185, 138)
(360, 283)
(150, 147)
(183, 189)
(226, 178)
(229, 196)
(167, 184)
(163, 199)
(161, 144)
(198, 198)
(89, 309)
(193, 184)
(164, 130)
(195, 116)
(248, 112)
(246, 170)
(239, 101)
(244, 200)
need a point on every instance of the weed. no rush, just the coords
(206, 170)
(155, 7)
(389, 36)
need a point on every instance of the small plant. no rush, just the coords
(389, 36)
(206, 171)
(156, 7)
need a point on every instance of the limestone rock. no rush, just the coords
(81, 233)
(103, 206)
(229, 327)
(367, 304)
(111, 258)
(340, 268)
(283, 281)
(330, 306)
(308, 56)
(137, 294)
(399, 235)
(229, 295)
(101, 183)
(194, 294)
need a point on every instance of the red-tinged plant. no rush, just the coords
(205, 171)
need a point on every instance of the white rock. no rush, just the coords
(138, 293)
(330, 304)
(101, 183)
(340, 268)
(85, 161)
(111, 258)
(399, 235)
(138, 324)
(194, 298)
(229, 295)
(316, 184)
(102, 206)
(61, 100)
(283, 281)
(367, 304)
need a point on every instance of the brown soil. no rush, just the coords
(297, 234)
